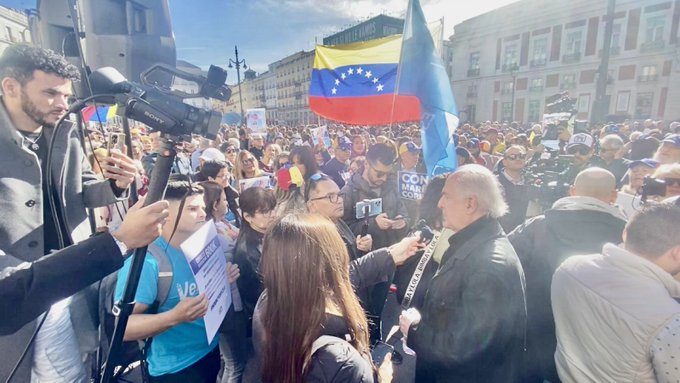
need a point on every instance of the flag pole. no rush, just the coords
(401, 56)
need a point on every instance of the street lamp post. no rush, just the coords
(513, 71)
(238, 65)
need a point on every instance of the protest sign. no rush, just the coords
(256, 119)
(209, 266)
(412, 185)
(262, 182)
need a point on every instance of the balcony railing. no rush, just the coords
(571, 58)
(473, 72)
(538, 62)
(651, 46)
(647, 77)
(613, 51)
(510, 67)
(567, 85)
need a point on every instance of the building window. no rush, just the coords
(648, 73)
(643, 105)
(654, 34)
(472, 91)
(506, 111)
(8, 33)
(615, 47)
(507, 87)
(568, 81)
(139, 20)
(510, 61)
(655, 27)
(536, 84)
(534, 114)
(540, 54)
(573, 47)
(473, 68)
(472, 113)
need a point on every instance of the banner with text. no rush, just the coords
(412, 185)
(256, 119)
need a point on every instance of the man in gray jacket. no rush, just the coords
(36, 85)
(616, 313)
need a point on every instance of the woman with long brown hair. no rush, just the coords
(305, 267)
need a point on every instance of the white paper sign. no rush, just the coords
(256, 119)
(209, 266)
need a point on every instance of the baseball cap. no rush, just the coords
(673, 139)
(645, 161)
(344, 144)
(581, 139)
(408, 146)
(611, 128)
(212, 154)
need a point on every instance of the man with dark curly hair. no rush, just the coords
(36, 86)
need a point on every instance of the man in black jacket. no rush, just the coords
(579, 224)
(473, 320)
(29, 289)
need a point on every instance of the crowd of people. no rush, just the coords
(552, 253)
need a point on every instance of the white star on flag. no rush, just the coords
(380, 87)
(343, 76)
(334, 91)
(350, 71)
(359, 71)
(337, 82)
(368, 74)
(375, 79)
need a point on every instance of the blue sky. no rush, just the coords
(268, 30)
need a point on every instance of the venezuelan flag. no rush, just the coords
(355, 83)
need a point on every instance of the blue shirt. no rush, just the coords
(185, 344)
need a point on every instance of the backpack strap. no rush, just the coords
(165, 275)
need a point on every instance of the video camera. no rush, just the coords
(547, 178)
(652, 187)
(160, 107)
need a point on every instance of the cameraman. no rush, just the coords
(29, 289)
(36, 85)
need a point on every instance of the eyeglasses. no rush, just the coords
(582, 150)
(231, 150)
(332, 197)
(247, 161)
(513, 157)
(672, 181)
(603, 150)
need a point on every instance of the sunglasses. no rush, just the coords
(672, 181)
(378, 173)
(231, 150)
(513, 157)
(247, 161)
(579, 149)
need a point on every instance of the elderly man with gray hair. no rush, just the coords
(611, 154)
(473, 320)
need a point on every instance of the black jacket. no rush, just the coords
(247, 254)
(542, 244)
(29, 289)
(517, 198)
(357, 190)
(334, 169)
(339, 361)
(474, 316)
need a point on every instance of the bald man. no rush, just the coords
(579, 224)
